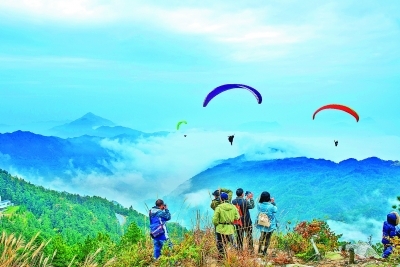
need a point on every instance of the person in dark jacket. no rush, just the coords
(389, 230)
(159, 214)
(245, 205)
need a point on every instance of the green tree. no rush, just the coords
(397, 207)
(132, 236)
(90, 246)
(62, 257)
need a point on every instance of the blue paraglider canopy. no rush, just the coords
(226, 87)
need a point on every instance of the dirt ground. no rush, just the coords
(333, 259)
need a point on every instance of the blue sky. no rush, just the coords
(149, 64)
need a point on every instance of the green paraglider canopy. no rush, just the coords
(179, 124)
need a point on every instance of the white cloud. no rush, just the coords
(244, 27)
(360, 230)
(151, 168)
(245, 30)
(163, 163)
(156, 166)
(198, 198)
(72, 11)
(254, 33)
(169, 161)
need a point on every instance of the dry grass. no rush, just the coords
(90, 260)
(15, 253)
(197, 248)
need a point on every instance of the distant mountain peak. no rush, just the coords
(88, 120)
(85, 124)
(90, 115)
(94, 119)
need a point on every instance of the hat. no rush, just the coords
(224, 196)
(216, 193)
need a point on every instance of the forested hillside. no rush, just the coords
(75, 223)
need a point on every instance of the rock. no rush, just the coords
(363, 250)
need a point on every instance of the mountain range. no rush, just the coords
(34, 154)
(304, 188)
(93, 125)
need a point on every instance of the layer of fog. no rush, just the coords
(151, 168)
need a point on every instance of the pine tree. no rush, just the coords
(132, 236)
(61, 258)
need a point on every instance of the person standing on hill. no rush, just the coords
(159, 215)
(224, 215)
(217, 200)
(246, 224)
(266, 206)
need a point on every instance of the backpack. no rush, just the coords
(263, 220)
(238, 222)
(156, 229)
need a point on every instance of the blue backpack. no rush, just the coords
(156, 226)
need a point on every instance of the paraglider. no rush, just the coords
(338, 107)
(230, 138)
(336, 142)
(179, 125)
(225, 87)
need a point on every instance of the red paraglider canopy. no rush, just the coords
(339, 107)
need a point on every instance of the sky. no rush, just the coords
(148, 64)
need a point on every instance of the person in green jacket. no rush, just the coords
(224, 215)
(216, 201)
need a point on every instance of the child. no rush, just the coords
(390, 230)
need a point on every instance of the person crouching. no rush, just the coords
(390, 231)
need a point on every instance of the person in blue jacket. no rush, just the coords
(389, 230)
(159, 214)
(266, 205)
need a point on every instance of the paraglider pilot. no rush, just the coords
(230, 138)
(336, 142)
